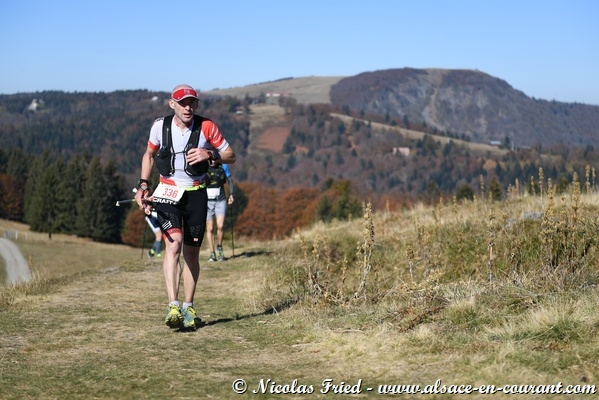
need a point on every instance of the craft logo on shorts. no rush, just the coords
(164, 201)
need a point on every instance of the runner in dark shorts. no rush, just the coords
(180, 152)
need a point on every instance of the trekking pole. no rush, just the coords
(143, 243)
(232, 241)
(119, 202)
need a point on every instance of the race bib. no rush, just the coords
(168, 192)
(213, 193)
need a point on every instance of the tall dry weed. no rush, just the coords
(364, 251)
(528, 242)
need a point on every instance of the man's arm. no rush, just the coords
(147, 163)
(227, 156)
(230, 199)
(230, 183)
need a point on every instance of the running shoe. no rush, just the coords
(212, 257)
(219, 251)
(151, 253)
(190, 318)
(174, 319)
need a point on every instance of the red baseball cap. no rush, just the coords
(182, 92)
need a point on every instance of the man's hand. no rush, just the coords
(196, 155)
(143, 200)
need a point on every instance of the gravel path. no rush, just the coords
(17, 268)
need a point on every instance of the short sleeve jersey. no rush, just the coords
(210, 136)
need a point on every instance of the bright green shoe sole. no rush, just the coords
(174, 319)
(191, 319)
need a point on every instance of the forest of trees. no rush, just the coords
(53, 196)
(79, 198)
(64, 166)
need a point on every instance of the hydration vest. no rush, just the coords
(165, 157)
(216, 176)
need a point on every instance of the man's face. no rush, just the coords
(184, 109)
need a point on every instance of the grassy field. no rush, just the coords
(306, 90)
(480, 293)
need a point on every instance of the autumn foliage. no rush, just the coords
(275, 213)
(135, 226)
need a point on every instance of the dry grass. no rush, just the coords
(390, 298)
(306, 90)
(481, 289)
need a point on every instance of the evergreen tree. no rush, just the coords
(42, 216)
(87, 206)
(324, 209)
(68, 194)
(288, 146)
(109, 218)
(35, 200)
(17, 165)
(347, 207)
(62, 203)
(464, 192)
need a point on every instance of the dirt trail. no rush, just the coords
(102, 335)
(17, 268)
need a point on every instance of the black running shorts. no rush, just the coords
(188, 216)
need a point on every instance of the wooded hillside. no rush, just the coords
(328, 158)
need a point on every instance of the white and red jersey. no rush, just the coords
(210, 137)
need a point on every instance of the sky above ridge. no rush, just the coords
(546, 49)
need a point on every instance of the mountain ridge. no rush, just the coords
(465, 102)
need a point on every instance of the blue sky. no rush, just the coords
(547, 49)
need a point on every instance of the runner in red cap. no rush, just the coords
(180, 199)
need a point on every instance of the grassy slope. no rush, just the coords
(100, 333)
(311, 89)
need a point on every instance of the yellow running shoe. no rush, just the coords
(174, 319)
(190, 318)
